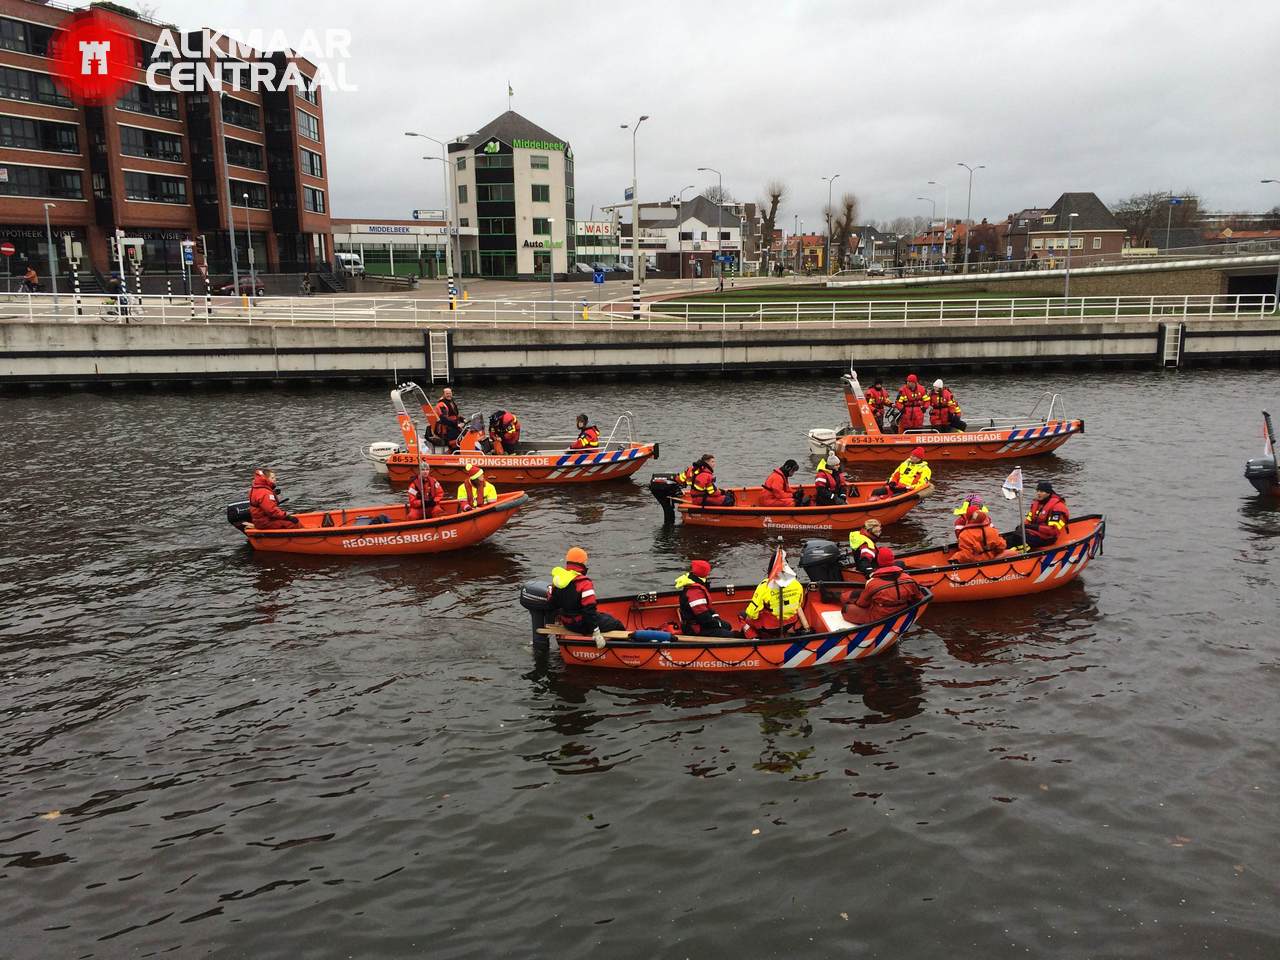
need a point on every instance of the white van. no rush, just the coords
(351, 263)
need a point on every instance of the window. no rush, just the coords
(724, 234)
(542, 226)
(541, 193)
(1037, 243)
(41, 182)
(495, 192)
(313, 199)
(312, 163)
(1097, 243)
(490, 161)
(490, 226)
(686, 234)
(1049, 219)
(462, 193)
(704, 234)
(238, 113)
(136, 142)
(308, 126)
(154, 188)
(257, 194)
(32, 87)
(464, 222)
(31, 134)
(244, 154)
(25, 37)
(310, 94)
(462, 163)
(158, 103)
(540, 162)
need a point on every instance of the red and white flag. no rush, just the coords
(779, 564)
(1012, 485)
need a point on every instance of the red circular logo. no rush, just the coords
(93, 57)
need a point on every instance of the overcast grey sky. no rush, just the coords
(1114, 97)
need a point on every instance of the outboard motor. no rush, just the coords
(665, 489)
(535, 596)
(1261, 472)
(238, 514)
(820, 560)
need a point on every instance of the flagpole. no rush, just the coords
(1022, 514)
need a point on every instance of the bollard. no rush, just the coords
(585, 315)
(453, 302)
(466, 295)
(75, 282)
(168, 289)
(208, 299)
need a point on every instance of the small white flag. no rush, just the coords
(1012, 485)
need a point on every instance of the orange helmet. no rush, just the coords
(576, 555)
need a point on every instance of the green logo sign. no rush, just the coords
(537, 144)
(492, 147)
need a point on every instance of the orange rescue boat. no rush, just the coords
(646, 645)
(1000, 439)
(354, 532)
(746, 511)
(537, 462)
(1011, 575)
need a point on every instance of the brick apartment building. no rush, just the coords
(156, 164)
(1042, 234)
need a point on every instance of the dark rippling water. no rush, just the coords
(207, 752)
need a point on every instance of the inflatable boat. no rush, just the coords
(1012, 575)
(647, 644)
(538, 462)
(1262, 471)
(985, 439)
(380, 531)
(746, 511)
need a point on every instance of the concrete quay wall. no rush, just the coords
(89, 353)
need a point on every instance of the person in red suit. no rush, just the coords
(588, 435)
(911, 401)
(448, 426)
(778, 491)
(1046, 521)
(265, 512)
(889, 590)
(878, 400)
(504, 432)
(425, 496)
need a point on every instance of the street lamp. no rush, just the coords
(551, 260)
(831, 217)
(680, 230)
(719, 219)
(1277, 307)
(968, 214)
(635, 219)
(946, 214)
(448, 222)
(933, 215)
(53, 255)
(248, 227)
(1066, 287)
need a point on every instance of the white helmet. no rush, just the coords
(937, 384)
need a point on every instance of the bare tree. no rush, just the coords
(776, 190)
(1144, 215)
(843, 227)
(716, 195)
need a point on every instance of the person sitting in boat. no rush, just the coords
(265, 512)
(698, 615)
(448, 425)
(573, 597)
(1046, 521)
(944, 411)
(588, 435)
(504, 432)
(910, 404)
(913, 473)
(961, 512)
(475, 490)
(702, 486)
(888, 590)
(706, 461)
(978, 540)
(763, 617)
(863, 546)
(778, 491)
(425, 496)
(878, 400)
(831, 486)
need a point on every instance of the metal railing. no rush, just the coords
(670, 314)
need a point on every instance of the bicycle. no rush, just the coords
(123, 305)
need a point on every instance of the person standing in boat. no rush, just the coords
(863, 546)
(475, 490)
(573, 597)
(448, 425)
(913, 473)
(911, 403)
(778, 491)
(265, 512)
(978, 540)
(588, 434)
(878, 400)
(1046, 521)
(504, 431)
(889, 590)
(944, 411)
(830, 485)
(425, 496)
(698, 615)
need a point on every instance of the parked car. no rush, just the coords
(351, 263)
(247, 289)
(583, 268)
(875, 270)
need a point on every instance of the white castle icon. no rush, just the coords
(94, 52)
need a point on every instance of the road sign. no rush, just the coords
(428, 214)
(7, 249)
(628, 194)
(188, 251)
(597, 276)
